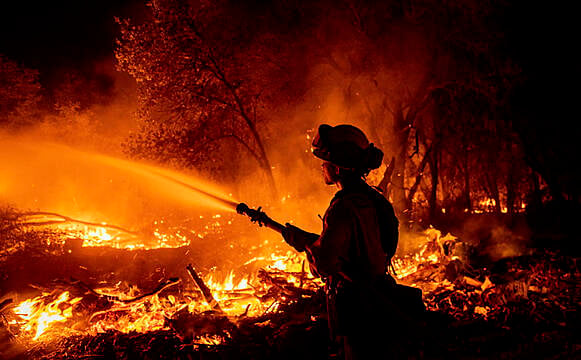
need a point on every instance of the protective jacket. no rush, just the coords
(359, 235)
(359, 238)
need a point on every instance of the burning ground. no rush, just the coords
(74, 289)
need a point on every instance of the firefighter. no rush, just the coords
(360, 234)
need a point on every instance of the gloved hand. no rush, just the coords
(298, 238)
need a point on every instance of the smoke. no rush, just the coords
(94, 110)
(85, 113)
(343, 75)
(494, 237)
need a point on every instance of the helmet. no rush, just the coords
(346, 147)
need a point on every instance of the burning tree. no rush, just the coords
(423, 89)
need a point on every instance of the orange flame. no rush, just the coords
(237, 294)
(39, 317)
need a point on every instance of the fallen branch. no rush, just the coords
(127, 302)
(4, 304)
(203, 288)
(161, 287)
(62, 219)
(86, 289)
(283, 285)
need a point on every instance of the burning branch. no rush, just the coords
(161, 287)
(126, 302)
(203, 288)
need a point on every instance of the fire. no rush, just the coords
(234, 297)
(38, 317)
(97, 237)
(431, 252)
(143, 316)
(486, 203)
(238, 295)
(489, 204)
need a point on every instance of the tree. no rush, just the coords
(196, 86)
(395, 60)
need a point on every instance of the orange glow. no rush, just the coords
(96, 187)
(431, 252)
(269, 266)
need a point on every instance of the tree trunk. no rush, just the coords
(493, 192)
(537, 196)
(239, 103)
(467, 199)
(419, 176)
(510, 192)
(265, 164)
(386, 180)
(434, 191)
(400, 132)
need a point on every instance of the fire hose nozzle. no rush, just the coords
(242, 209)
(258, 216)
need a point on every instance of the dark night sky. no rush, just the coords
(54, 35)
(58, 34)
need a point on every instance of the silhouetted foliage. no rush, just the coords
(201, 74)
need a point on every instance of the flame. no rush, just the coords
(238, 294)
(39, 317)
(143, 316)
(489, 204)
(431, 252)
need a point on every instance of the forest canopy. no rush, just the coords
(430, 85)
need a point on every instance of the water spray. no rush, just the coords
(145, 172)
(229, 203)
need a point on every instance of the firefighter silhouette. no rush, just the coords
(368, 312)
